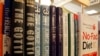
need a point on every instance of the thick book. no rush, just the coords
(18, 27)
(88, 35)
(7, 28)
(52, 30)
(37, 29)
(59, 31)
(45, 21)
(29, 28)
(1, 28)
(65, 32)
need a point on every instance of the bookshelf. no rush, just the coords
(47, 28)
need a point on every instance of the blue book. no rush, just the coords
(7, 28)
(45, 30)
(37, 29)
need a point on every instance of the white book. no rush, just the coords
(37, 29)
(72, 34)
(88, 35)
(65, 34)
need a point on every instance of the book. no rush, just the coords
(88, 35)
(45, 26)
(98, 40)
(72, 34)
(1, 27)
(76, 33)
(59, 31)
(69, 35)
(37, 29)
(65, 32)
(29, 28)
(7, 28)
(52, 30)
(18, 27)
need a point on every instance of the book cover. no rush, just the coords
(59, 31)
(37, 29)
(29, 28)
(45, 21)
(65, 32)
(18, 27)
(7, 28)
(1, 27)
(52, 30)
(88, 35)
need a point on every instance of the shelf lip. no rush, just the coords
(82, 3)
(61, 3)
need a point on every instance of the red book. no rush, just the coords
(1, 28)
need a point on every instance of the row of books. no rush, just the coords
(31, 29)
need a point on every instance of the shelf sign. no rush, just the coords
(84, 2)
(88, 40)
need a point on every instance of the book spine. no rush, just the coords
(76, 31)
(65, 34)
(37, 29)
(59, 31)
(45, 30)
(29, 27)
(7, 28)
(72, 34)
(69, 35)
(52, 31)
(1, 28)
(18, 27)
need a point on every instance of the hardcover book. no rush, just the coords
(72, 34)
(59, 31)
(37, 29)
(52, 30)
(88, 35)
(76, 34)
(7, 28)
(1, 27)
(29, 28)
(18, 27)
(69, 34)
(45, 28)
(65, 32)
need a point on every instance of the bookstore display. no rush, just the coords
(28, 28)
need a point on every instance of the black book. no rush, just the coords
(29, 27)
(18, 27)
(52, 31)
(59, 32)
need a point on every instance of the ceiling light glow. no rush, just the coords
(92, 12)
